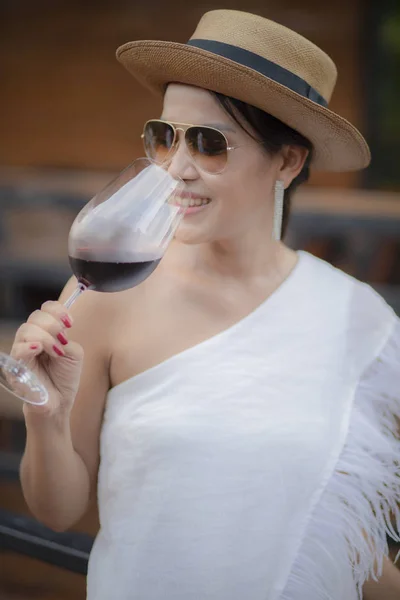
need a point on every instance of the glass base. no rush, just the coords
(21, 382)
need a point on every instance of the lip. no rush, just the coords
(191, 195)
(192, 210)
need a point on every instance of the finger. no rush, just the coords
(50, 344)
(59, 312)
(49, 323)
(26, 351)
(28, 332)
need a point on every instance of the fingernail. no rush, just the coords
(61, 338)
(34, 346)
(65, 320)
(58, 351)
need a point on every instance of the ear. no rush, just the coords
(293, 159)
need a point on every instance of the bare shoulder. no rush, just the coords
(99, 318)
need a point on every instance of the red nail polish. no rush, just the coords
(66, 321)
(58, 351)
(61, 338)
(34, 346)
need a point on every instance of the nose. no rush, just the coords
(181, 164)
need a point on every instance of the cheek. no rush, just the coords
(246, 185)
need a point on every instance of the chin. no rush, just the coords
(192, 237)
(194, 234)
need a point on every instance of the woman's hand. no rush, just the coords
(42, 344)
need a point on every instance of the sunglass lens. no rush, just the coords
(158, 140)
(208, 148)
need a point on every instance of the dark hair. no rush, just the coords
(274, 135)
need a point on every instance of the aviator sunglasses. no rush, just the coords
(207, 146)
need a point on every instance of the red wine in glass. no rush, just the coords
(111, 274)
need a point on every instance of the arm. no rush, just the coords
(388, 586)
(60, 463)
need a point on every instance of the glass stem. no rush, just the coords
(79, 290)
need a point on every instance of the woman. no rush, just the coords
(237, 409)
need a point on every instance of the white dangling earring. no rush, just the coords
(278, 210)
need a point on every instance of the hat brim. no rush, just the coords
(338, 145)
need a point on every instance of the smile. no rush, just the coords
(191, 202)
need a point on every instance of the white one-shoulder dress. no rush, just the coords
(261, 464)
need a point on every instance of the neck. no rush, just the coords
(242, 258)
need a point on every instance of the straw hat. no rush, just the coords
(264, 64)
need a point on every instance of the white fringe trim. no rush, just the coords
(346, 539)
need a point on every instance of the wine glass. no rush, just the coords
(116, 242)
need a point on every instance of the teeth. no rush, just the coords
(186, 202)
